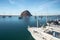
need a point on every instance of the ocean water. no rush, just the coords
(13, 28)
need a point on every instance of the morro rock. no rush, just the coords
(25, 13)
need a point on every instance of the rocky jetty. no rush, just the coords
(25, 13)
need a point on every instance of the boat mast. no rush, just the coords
(46, 18)
(46, 15)
(37, 21)
(57, 17)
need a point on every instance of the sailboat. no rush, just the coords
(48, 32)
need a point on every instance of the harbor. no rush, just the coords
(16, 29)
(29, 19)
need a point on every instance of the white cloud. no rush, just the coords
(46, 8)
(12, 1)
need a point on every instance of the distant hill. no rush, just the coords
(25, 13)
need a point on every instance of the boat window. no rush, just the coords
(57, 34)
(35, 32)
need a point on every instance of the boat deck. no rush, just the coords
(39, 34)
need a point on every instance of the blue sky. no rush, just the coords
(36, 7)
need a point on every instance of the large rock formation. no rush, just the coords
(25, 13)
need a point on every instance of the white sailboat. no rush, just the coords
(42, 33)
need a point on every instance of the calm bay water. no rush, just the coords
(12, 28)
